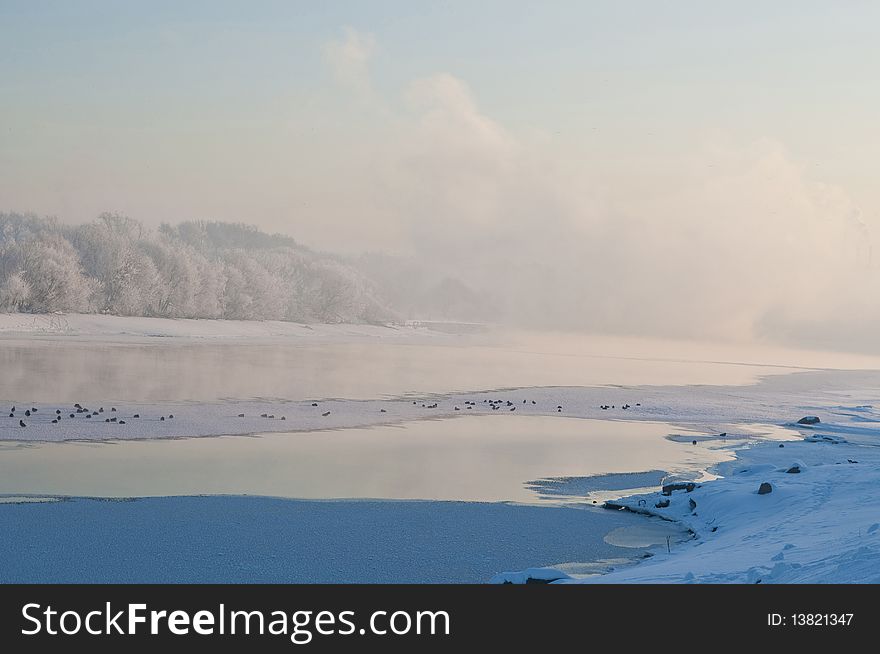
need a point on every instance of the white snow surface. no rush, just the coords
(821, 525)
(775, 401)
(133, 329)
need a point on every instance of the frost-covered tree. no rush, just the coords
(54, 277)
(14, 292)
(191, 270)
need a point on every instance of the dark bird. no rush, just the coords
(271, 416)
(138, 415)
(693, 442)
(283, 418)
(108, 419)
(558, 410)
(58, 411)
(27, 413)
(264, 415)
(513, 408)
(11, 415)
(21, 423)
(162, 419)
(101, 410)
(12, 409)
(316, 404)
(524, 401)
(54, 422)
(33, 409)
(122, 422)
(77, 406)
(240, 415)
(88, 415)
(73, 415)
(113, 408)
(112, 419)
(533, 402)
(382, 411)
(170, 415)
(457, 409)
(325, 414)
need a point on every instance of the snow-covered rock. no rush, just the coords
(530, 576)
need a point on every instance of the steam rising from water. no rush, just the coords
(739, 241)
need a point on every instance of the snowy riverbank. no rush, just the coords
(819, 524)
(129, 329)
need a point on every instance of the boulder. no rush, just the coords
(765, 488)
(809, 420)
(686, 486)
(529, 576)
(662, 504)
(793, 470)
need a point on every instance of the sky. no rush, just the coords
(662, 167)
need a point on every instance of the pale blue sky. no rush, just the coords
(129, 86)
(489, 136)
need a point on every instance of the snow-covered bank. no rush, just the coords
(820, 523)
(138, 329)
(708, 408)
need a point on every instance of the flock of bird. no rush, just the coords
(78, 410)
(85, 412)
(497, 405)
(605, 407)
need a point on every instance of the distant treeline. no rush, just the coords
(192, 270)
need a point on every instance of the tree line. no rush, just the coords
(198, 269)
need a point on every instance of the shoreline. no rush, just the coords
(818, 524)
(801, 532)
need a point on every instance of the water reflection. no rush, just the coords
(483, 458)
